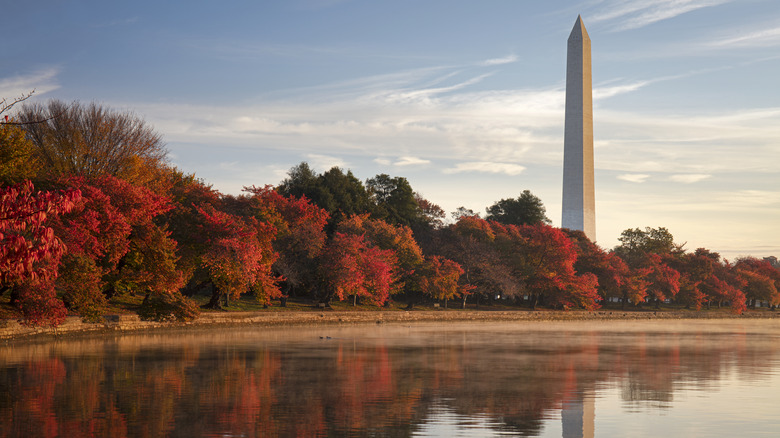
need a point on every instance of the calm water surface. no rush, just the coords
(565, 379)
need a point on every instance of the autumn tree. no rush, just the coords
(610, 270)
(762, 280)
(237, 256)
(471, 243)
(300, 234)
(439, 279)
(18, 161)
(526, 209)
(91, 140)
(395, 238)
(543, 258)
(115, 247)
(351, 267)
(30, 250)
(663, 281)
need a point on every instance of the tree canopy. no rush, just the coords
(526, 209)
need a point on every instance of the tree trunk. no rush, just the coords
(463, 305)
(445, 303)
(214, 302)
(354, 300)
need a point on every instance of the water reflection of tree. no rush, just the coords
(343, 387)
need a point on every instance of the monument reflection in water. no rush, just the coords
(705, 378)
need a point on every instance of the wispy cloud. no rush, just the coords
(761, 38)
(486, 167)
(410, 161)
(42, 81)
(499, 61)
(633, 14)
(634, 177)
(429, 115)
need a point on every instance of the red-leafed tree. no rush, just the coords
(610, 270)
(237, 256)
(663, 281)
(351, 267)
(544, 259)
(30, 250)
(762, 280)
(115, 247)
(395, 238)
(694, 269)
(300, 234)
(723, 284)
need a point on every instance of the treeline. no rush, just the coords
(91, 210)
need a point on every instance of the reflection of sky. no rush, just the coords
(732, 406)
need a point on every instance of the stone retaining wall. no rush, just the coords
(11, 329)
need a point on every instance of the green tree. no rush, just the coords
(636, 244)
(526, 209)
(340, 194)
(395, 200)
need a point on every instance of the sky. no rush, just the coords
(465, 99)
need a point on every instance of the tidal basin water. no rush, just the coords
(709, 378)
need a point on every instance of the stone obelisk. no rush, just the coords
(579, 200)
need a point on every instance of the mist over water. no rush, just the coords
(571, 379)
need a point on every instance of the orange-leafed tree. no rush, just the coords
(439, 279)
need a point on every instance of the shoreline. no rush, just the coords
(12, 330)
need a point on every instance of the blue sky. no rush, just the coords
(463, 98)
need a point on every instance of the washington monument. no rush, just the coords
(579, 201)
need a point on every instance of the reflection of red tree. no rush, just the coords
(36, 400)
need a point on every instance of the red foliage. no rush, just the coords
(351, 267)
(544, 259)
(300, 231)
(238, 257)
(28, 243)
(663, 280)
(114, 245)
(761, 280)
(30, 250)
